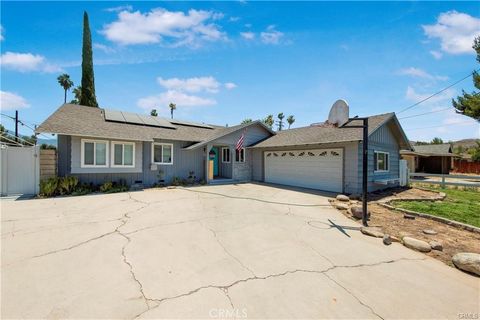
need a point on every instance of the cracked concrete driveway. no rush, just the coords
(244, 251)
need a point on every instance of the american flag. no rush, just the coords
(240, 141)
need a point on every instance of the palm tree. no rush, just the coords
(280, 121)
(172, 107)
(66, 83)
(290, 120)
(246, 121)
(268, 121)
(77, 92)
(154, 113)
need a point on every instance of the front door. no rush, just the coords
(215, 162)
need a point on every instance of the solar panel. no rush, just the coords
(132, 118)
(191, 124)
(113, 115)
(156, 122)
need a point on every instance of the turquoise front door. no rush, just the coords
(215, 161)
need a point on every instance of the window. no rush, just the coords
(240, 155)
(123, 154)
(94, 153)
(225, 155)
(162, 153)
(381, 161)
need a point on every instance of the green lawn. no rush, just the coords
(459, 205)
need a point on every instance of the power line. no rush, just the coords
(442, 125)
(438, 92)
(422, 114)
(24, 123)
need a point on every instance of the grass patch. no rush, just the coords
(459, 205)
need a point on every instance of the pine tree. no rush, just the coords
(88, 80)
(469, 104)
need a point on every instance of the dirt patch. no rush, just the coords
(453, 239)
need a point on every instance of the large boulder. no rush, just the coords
(469, 262)
(416, 244)
(342, 197)
(341, 206)
(357, 212)
(387, 240)
(372, 232)
(430, 232)
(435, 245)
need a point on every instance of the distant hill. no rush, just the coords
(465, 143)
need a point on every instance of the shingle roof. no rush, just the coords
(434, 149)
(323, 134)
(79, 120)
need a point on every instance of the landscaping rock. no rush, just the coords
(342, 197)
(469, 262)
(408, 216)
(435, 245)
(430, 232)
(442, 194)
(394, 239)
(404, 234)
(372, 231)
(341, 206)
(357, 212)
(387, 240)
(416, 244)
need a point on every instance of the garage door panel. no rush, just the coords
(318, 169)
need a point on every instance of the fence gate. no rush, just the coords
(20, 170)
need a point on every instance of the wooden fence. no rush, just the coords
(446, 179)
(463, 166)
(48, 164)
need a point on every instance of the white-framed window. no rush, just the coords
(162, 153)
(226, 155)
(94, 153)
(240, 155)
(123, 154)
(381, 160)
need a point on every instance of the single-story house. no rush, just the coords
(429, 158)
(99, 145)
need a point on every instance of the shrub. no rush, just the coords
(82, 189)
(49, 187)
(67, 185)
(45, 146)
(112, 187)
(176, 181)
(191, 177)
(107, 186)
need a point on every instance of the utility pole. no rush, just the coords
(16, 125)
(364, 164)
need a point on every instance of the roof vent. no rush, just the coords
(338, 113)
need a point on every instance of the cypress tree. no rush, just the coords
(88, 82)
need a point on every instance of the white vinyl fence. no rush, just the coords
(20, 170)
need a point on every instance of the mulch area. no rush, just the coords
(453, 239)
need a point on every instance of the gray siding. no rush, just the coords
(184, 161)
(381, 140)
(76, 158)
(64, 155)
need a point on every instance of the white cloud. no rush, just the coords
(163, 26)
(103, 48)
(120, 8)
(179, 98)
(247, 35)
(419, 73)
(27, 62)
(234, 19)
(436, 54)
(230, 85)
(439, 99)
(196, 84)
(455, 30)
(271, 35)
(12, 101)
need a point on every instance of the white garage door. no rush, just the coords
(316, 169)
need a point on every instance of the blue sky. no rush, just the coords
(221, 62)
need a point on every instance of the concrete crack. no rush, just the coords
(225, 292)
(228, 252)
(354, 296)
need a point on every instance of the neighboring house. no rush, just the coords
(429, 158)
(98, 145)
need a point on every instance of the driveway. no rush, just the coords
(243, 251)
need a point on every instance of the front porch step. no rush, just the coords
(222, 181)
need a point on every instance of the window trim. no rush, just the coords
(229, 155)
(112, 163)
(82, 153)
(161, 144)
(239, 157)
(375, 170)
